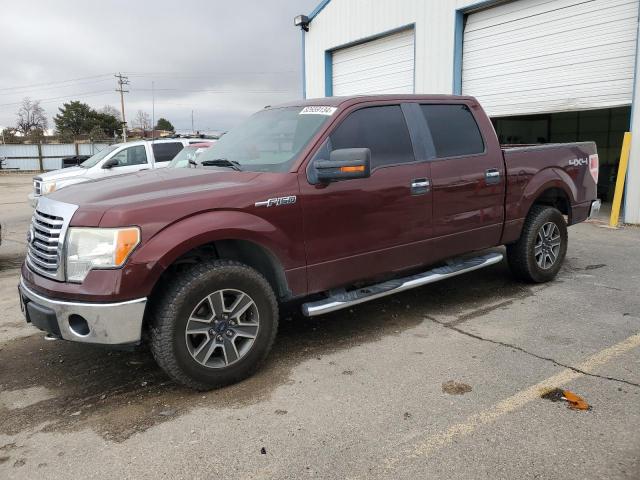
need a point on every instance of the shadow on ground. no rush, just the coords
(118, 393)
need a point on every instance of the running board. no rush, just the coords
(343, 299)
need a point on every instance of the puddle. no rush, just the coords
(15, 399)
(455, 388)
(117, 393)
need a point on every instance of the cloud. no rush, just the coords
(223, 60)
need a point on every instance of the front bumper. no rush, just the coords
(102, 323)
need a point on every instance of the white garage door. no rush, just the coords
(539, 56)
(383, 65)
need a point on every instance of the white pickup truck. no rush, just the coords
(113, 160)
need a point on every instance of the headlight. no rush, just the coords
(48, 187)
(89, 248)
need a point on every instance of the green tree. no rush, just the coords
(164, 124)
(107, 123)
(75, 118)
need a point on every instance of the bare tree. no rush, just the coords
(31, 117)
(143, 120)
(111, 110)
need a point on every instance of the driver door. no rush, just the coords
(364, 228)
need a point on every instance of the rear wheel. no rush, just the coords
(214, 324)
(539, 252)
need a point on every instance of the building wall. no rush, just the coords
(342, 22)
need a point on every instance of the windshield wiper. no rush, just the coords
(222, 162)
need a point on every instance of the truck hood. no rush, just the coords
(64, 174)
(163, 189)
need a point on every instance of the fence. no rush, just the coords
(44, 156)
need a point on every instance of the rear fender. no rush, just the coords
(543, 181)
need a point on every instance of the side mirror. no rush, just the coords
(112, 162)
(344, 164)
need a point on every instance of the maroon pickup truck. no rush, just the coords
(334, 201)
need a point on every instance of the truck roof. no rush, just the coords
(352, 99)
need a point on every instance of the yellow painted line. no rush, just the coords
(442, 439)
(622, 173)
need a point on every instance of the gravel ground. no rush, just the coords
(443, 381)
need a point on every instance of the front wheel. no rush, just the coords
(214, 324)
(539, 252)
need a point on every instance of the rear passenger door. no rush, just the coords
(468, 180)
(164, 152)
(361, 228)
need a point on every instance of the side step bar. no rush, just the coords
(343, 299)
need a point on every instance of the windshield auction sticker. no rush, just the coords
(318, 110)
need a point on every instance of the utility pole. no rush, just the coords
(192, 130)
(122, 81)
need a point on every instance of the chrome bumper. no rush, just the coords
(595, 208)
(106, 323)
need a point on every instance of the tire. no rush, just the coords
(183, 315)
(535, 258)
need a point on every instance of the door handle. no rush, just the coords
(420, 186)
(492, 175)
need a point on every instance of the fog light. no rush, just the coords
(79, 325)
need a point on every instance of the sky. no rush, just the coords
(222, 59)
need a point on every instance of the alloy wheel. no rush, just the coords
(222, 328)
(547, 247)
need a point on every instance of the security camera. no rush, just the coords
(302, 21)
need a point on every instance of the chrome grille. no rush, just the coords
(46, 237)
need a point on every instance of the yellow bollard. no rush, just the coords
(622, 173)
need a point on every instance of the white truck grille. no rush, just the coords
(46, 237)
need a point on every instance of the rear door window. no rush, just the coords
(454, 130)
(164, 152)
(383, 130)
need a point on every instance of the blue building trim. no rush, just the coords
(457, 52)
(633, 105)
(328, 73)
(318, 9)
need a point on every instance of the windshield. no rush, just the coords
(93, 160)
(181, 160)
(269, 140)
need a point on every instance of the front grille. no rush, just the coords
(37, 186)
(46, 237)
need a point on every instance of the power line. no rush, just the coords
(27, 90)
(52, 99)
(209, 90)
(54, 83)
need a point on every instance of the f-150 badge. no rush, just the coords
(278, 201)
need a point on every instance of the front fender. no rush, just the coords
(183, 236)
